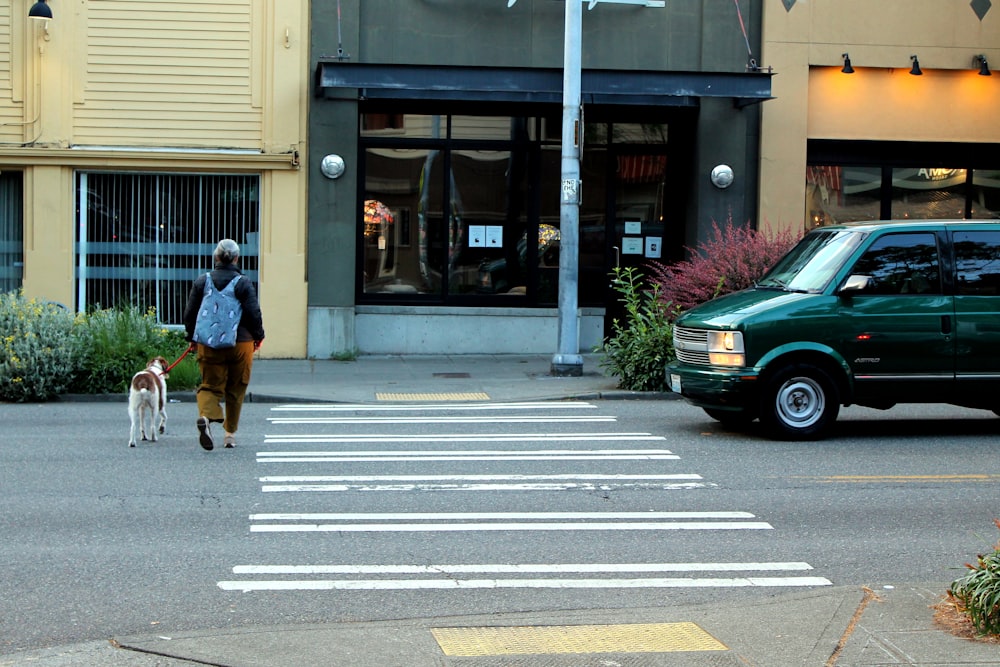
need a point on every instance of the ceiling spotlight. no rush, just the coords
(847, 69)
(41, 11)
(915, 70)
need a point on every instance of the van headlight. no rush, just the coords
(725, 348)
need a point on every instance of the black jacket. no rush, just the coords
(251, 323)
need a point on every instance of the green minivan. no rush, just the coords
(867, 313)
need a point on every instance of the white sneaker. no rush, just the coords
(205, 434)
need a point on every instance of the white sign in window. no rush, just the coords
(494, 237)
(477, 236)
(654, 247)
(632, 246)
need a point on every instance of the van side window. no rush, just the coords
(902, 264)
(977, 260)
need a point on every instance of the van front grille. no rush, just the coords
(691, 346)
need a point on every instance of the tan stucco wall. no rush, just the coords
(813, 99)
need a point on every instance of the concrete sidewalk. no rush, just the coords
(840, 626)
(434, 377)
(886, 624)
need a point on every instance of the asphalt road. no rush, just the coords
(299, 522)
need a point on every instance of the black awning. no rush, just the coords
(505, 84)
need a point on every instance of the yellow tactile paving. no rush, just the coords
(452, 396)
(549, 639)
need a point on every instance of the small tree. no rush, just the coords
(731, 260)
(640, 346)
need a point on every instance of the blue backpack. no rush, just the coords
(219, 315)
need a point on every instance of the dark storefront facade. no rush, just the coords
(440, 233)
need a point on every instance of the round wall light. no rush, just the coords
(722, 176)
(332, 166)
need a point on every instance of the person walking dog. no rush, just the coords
(222, 318)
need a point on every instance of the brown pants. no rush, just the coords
(225, 375)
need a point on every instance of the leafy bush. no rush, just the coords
(639, 347)
(977, 594)
(731, 260)
(38, 348)
(116, 343)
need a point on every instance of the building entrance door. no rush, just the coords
(636, 220)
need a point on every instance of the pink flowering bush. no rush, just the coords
(731, 260)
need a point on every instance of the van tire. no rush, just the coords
(800, 402)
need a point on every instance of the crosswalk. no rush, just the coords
(322, 445)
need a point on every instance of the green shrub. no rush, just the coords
(116, 343)
(38, 348)
(977, 594)
(639, 347)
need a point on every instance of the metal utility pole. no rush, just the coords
(567, 361)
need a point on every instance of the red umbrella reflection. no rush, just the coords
(377, 216)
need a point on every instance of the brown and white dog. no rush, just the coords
(147, 396)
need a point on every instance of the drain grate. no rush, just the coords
(454, 376)
(632, 638)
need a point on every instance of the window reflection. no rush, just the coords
(838, 193)
(404, 248)
(985, 194)
(926, 194)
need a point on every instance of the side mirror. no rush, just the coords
(857, 283)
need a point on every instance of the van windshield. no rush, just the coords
(813, 262)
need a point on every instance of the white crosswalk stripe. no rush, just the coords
(548, 406)
(355, 456)
(568, 482)
(320, 457)
(471, 419)
(502, 521)
(451, 577)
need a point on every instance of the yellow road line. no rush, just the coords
(534, 640)
(902, 479)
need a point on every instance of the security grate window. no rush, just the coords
(142, 238)
(11, 231)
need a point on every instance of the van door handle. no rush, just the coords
(946, 324)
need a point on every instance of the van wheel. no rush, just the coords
(800, 402)
(731, 418)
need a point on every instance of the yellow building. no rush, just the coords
(910, 133)
(134, 135)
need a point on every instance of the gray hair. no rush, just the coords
(227, 252)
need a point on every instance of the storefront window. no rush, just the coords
(11, 231)
(639, 133)
(985, 194)
(487, 251)
(925, 194)
(838, 193)
(402, 221)
(411, 126)
(142, 238)
(465, 209)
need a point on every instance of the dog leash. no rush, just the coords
(171, 366)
